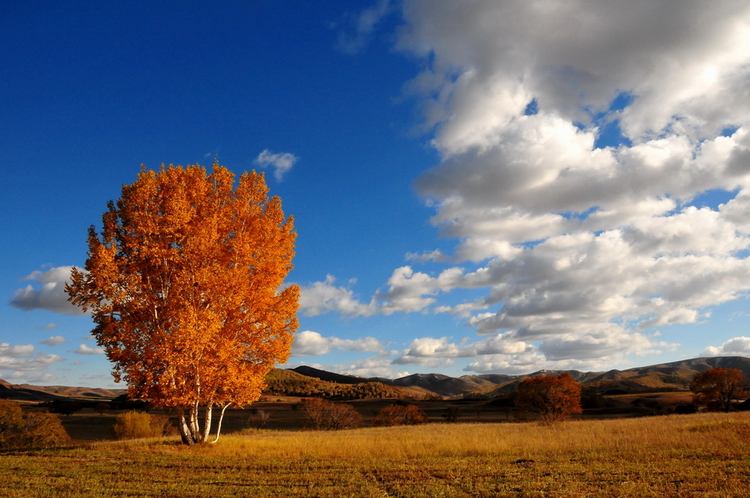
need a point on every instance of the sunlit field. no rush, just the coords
(678, 455)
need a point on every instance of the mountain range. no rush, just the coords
(675, 376)
(653, 378)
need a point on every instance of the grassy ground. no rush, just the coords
(688, 455)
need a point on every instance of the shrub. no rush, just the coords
(400, 415)
(327, 415)
(134, 425)
(33, 430)
(43, 430)
(11, 424)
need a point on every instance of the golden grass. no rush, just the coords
(689, 455)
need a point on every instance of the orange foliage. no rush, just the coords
(327, 415)
(716, 388)
(553, 397)
(400, 415)
(30, 430)
(184, 284)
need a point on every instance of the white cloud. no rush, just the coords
(21, 358)
(325, 296)
(581, 248)
(282, 162)
(377, 366)
(55, 340)
(51, 296)
(88, 350)
(309, 343)
(737, 346)
(407, 289)
(32, 377)
(16, 351)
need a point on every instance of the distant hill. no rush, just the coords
(308, 381)
(667, 376)
(27, 392)
(675, 376)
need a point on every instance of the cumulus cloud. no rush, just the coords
(54, 340)
(50, 296)
(324, 296)
(377, 366)
(88, 350)
(407, 291)
(32, 377)
(281, 162)
(501, 352)
(309, 343)
(583, 242)
(737, 346)
(19, 359)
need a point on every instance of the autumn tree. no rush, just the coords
(398, 414)
(29, 430)
(185, 287)
(554, 398)
(327, 415)
(717, 388)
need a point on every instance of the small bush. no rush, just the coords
(134, 425)
(33, 430)
(327, 415)
(400, 415)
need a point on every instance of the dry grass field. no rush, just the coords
(676, 455)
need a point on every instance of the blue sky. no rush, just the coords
(445, 223)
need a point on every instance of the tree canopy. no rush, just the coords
(718, 387)
(185, 287)
(552, 397)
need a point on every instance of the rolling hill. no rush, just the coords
(675, 376)
(308, 381)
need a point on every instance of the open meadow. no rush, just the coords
(677, 455)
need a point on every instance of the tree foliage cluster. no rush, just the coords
(718, 388)
(554, 398)
(399, 414)
(29, 430)
(327, 415)
(185, 286)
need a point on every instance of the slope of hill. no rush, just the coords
(331, 385)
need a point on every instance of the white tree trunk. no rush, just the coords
(221, 419)
(207, 422)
